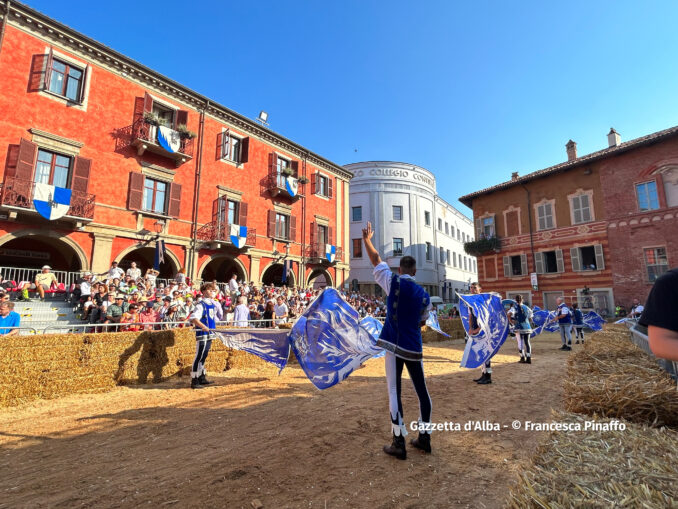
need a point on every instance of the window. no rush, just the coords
(515, 265)
(357, 213)
(442, 255)
(397, 212)
(581, 208)
(458, 234)
(282, 226)
(587, 258)
(165, 115)
(52, 168)
(475, 266)
(282, 167)
(65, 80)
(454, 259)
(549, 262)
(427, 218)
(397, 247)
(487, 227)
(545, 216)
(656, 262)
(357, 248)
(322, 234)
(322, 188)
(155, 196)
(231, 147)
(465, 265)
(463, 237)
(233, 209)
(647, 196)
(429, 252)
(440, 225)
(447, 229)
(447, 258)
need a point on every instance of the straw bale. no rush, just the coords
(612, 377)
(452, 326)
(635, 467)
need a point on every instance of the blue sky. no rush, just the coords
(471, 91)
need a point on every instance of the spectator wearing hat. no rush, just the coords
(131, 317)
(44, 281)
(164, 309)
(115, 311)
(148, 316)
(157, 302)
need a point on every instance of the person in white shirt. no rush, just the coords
(281, 311)
(636, 309)
(114, 272)
(233, 287)
(134, 272)
(241, 314)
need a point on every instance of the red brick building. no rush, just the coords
(146, 159)
(596, 229)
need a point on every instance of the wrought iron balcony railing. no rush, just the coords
(216, 231)
(276, 184)
(144, 137)
(317, 251)
(19, 193)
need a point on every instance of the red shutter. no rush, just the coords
(244, 150)
(36, 79)
(314, 183)
(182, 118)
(11, 161)
(81, 170)
(242, 221)
(215, 209)
(272, 163)
(48, 70)
(330, 181)
(148, 103)
(295, 168)
(174, 207)
(293, 228)
(25, 160)
(330, 236)
(220, 143)
(135, 197)
(83, 83)
(271, 223)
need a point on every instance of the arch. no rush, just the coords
(320, 272)
(144, 256)
(272, 275)
(222, 267)
(79, 253)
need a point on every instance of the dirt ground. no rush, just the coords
(255, 435)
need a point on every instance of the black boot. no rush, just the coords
(202, 380)
(486, 380)
(528, 360)
(397, 448)
(423, 442)
(195, 383)
(477, 380)
(522, 360)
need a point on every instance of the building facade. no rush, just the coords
(409, 218)
(597, 229)
(147, 159)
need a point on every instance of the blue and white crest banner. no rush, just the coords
(543, 321)
(51, 202)
(594, 321)
(373, 327)
(329, 341)
(330, 252)
(271, 345)
(238, 235)
(169, 139)
(432, 322)
(292, 186)
(493, 323)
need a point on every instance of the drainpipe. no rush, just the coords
(302, 266)
(193, 253)
(4, 22)
(529, 217)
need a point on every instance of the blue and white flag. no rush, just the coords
(329, 341)
(543, 321)
(51, 202)
(169, 139)
(493, 323)
(271, 345)
(292, 186)
(373, 327)
(594, 321)
(330, 252)
(159, 254)
(238, 235)
(432, 322)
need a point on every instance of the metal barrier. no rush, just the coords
(19, 274)
(29, 330)
(640, 339)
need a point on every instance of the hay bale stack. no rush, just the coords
(636, 467)
(453, 327)
(612, 377)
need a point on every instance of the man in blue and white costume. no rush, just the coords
(408, 307)
(564, 317)
(204, 318)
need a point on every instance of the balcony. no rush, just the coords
(17, 195)
(217, 233)
(144, 137)
(316, 254)
(276, 185)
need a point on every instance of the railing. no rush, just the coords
(217, 231)
(19, 193)
(640, 339)
(20, 274)
(318, 251)
(142, 130)
(275, 184)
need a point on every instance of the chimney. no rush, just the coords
(613, 138)
(514, 175)
(571, 147)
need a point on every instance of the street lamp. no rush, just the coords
(158, 226)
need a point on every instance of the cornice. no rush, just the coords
(27, 19)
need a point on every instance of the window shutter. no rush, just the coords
(242, 213)
(576, 261)
(314, 234)
(329, 187)
(271, 223)
(83, 83)
(26, 160)
(272, 163)
(600, 258)
(293, 228)
(135, 197)
(539, 262)
(560, 264)
(181, 118)
(244, 150)
(314, 183)
(215, 210)
(174, 207)
(523, 265)
(507, 266)
(11, 161)
(81, 171)
(220, 146)
(148, 103)
(48, 70)
(478, 229)
(36, 78)
(295, 168)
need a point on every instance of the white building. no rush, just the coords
(409, 218)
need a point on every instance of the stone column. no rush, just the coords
(255, 274)
(101, 254)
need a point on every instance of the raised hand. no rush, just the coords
(368, 232)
